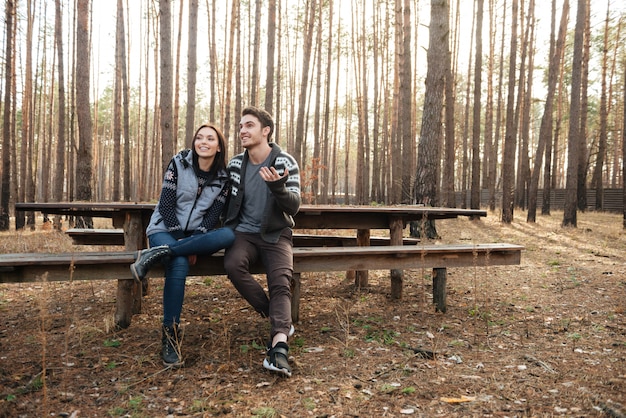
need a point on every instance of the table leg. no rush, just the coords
(362, 240)
(396, 231)
(129, 292)
(295, 298)
(440, 277)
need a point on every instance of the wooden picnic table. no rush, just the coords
(133, 218)
(364, 218)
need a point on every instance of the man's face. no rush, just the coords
(251, 132)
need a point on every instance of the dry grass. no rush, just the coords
(546, 338)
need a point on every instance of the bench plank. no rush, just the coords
(25, 267)
(32, 267)
(87, 236)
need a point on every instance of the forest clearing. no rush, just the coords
(545, 338)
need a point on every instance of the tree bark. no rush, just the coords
(430, 135)
(573, 139)
(117, 101)
(166, 74)
(270, 55)
(84, 156)
(476, 122)
(510, 137)
(5, 182)
(545, 129)
(300, 148)
(192, 70)
(596, 179)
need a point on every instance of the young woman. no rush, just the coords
(183, 225)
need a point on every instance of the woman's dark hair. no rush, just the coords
(219, 163)
(263, 116)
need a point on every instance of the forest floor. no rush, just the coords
(544, 338)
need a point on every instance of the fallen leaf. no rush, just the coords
(463, 398)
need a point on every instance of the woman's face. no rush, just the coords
(206, 143)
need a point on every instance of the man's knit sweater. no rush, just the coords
(283, 202)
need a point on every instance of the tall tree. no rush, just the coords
(510, 136)
(430, 135)
(396, 125)
(26, 157)
(5, 184)
(270, 55)
(363, 140)
(117, 100)
(523, 172)
(229, 71)
(166, 85)
(581, 190)
(573, 138)
(406, 109)
(493, 166)
(545, 129)
(126, 119)
(624, 148)
(476, 124)
(325, 175)
(256, 46)
(59, 178)
(448, 197)
(306, 59)
(596, 180)
(84, 156)
(192, 69)
(213, 62)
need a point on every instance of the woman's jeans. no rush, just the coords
(177, 267)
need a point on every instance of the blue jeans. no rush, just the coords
(177, 266)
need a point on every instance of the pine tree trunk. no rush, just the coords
(573, 140)
(510, 140)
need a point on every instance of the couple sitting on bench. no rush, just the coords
(259, 192)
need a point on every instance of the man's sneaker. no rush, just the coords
(170, 347)
(277, 360)
(268, 346)
(146, 259)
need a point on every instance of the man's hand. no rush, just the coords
(270, 174)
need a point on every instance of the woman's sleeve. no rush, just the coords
(167, 201)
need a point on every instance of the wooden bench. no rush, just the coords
(29, 267)
(87, 236)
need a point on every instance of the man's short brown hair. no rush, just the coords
(263, 116)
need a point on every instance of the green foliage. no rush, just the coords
(112, 343)
(265, 412)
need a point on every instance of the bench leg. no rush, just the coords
(440, 277)
(129, 292)
(362, 240)
(396, 229)
(295, 298)
(125, 303)
(396, 283)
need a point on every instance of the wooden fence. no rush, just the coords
(613, 200)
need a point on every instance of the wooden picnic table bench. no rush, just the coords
(133, 218)
(108, 236)
(28, 267)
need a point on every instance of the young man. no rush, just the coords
(265, 194)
